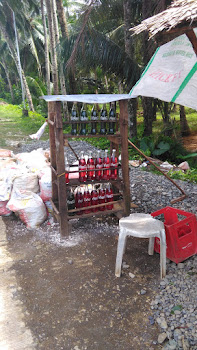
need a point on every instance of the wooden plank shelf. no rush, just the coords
(118, 207)
(59, 139)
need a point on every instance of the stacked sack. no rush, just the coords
(20, 190)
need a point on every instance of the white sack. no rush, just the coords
(30, 208)
(34, 161)
(4, 211)
(171, 74)
(46, 186)
(26, 182)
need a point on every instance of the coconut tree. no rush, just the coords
(11, 18)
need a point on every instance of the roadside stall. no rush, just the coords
(66, 178)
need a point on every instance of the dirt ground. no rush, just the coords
(190, 142)
(64, 295)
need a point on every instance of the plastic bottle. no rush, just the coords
(98, 167)
(87, 200)
(103, 120)
(106, 166)
(83, 119)
(90, 167)
(112, 119)
(94, 119)
(94, 199)
(67, 169)
(101, 197)
(114, 165)
(71, 201)
(109, 197)
(74, 118)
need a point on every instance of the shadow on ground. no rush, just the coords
(70, 296)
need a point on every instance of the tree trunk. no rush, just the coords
(185, 130)
(17, 63)
(52, 46)
(129, 49)
(62, 19)
(147, 103)
(46, 49)
(8, 79)
(148, 49)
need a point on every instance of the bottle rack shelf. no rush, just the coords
(121, 186)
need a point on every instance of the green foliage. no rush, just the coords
(17, 126)
(101, 143)
(152, 147)
(190, 175)
(176, 307)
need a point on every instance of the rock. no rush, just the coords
(177, 334)
(162, 322)
(180, 266)
(143, 291)
(162, 337)
(131, 275)
(184, 166)
(125, 266)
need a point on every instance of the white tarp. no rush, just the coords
(89, 98)
(171, 74)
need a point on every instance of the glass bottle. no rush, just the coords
(70, 201)
(87, 200)
(101, 198)
(103, 120)
(79, 200)
(94, 199)
(114, 165)
(98, 166)
(83, 119)
(74, 119)
(109, 197)
(94, 119)
(67, 169)
(106, 166)
(112, 119)
(82, 168)
(90, 167)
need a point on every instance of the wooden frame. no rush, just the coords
(121, 207)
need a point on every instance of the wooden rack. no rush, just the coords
(121, 203)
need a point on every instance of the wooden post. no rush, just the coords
(60, 161)
(125, 154)
(51, 117)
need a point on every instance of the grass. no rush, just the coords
(16, 127)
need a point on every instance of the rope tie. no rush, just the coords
(61, 174)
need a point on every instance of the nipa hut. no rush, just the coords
(179, 18)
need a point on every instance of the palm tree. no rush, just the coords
(7, 16)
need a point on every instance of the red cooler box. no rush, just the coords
(181, 233)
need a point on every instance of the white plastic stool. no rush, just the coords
(142, 226)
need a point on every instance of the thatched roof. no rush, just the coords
(179, 17)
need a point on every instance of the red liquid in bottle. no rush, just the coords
(82, 168)
(90, 168)
(101, 198)
(67, 169)
(106, 166)
(98, 167)
(66, 177)
(79, 201)
(94, 199)
(114, 165)
(87, 201)
(109, 198)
